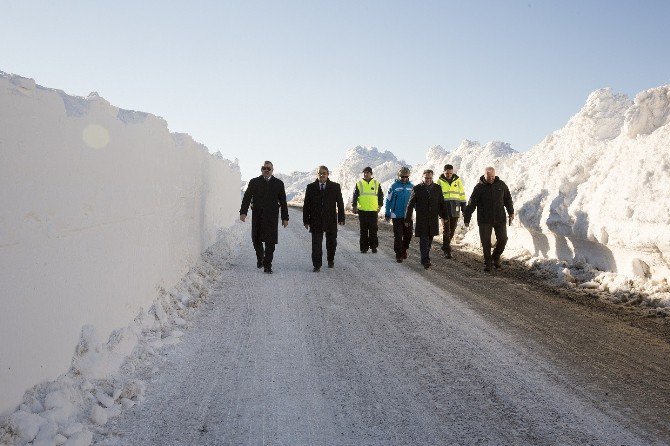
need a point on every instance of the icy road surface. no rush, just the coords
(368, 353)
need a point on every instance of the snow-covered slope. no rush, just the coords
(596, 191)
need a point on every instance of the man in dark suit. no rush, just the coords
(429, 202)
(319, 216)
(267, 195)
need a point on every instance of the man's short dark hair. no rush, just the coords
(368, 169)
(448, 167)
(428, 171)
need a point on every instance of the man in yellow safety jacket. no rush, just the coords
(367, 201)
(454, 197)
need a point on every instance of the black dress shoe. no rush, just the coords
(487, 267)
(259, 264)
(331, 263)
(374, 250)
(398, 259)
(364, 251)
(268, 270)
(317, 269)
(497, 264)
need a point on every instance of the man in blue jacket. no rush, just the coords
(396, 203)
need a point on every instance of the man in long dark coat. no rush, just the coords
(429, 202)
(491, 197)
(266, 195)
(319, 215)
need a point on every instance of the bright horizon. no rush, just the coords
(301, 82)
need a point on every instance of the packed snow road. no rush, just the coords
(369, 352)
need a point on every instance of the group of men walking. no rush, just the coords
(323, 211)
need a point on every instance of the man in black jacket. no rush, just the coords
(429, 202)
(491, 197)
(319, 215)
(266, 195)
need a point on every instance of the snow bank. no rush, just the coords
(101, 208)
(108, 377)
(594, 195)
(598, 190)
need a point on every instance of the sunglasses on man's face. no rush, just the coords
(404, 178)
(266, 168)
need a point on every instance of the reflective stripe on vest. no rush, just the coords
(453, 191)
(367, 195)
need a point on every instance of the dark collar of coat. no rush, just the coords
(486, 183)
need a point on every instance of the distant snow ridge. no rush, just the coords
(469, 160)
(384, 167)
(295, 184)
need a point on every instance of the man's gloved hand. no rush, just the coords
(387, 218)
(354, 210)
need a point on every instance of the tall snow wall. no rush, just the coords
(99, 209)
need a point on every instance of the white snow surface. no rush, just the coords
(102, 381)
(101, 208)
(593, 196)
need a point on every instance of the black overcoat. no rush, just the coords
(266, 197)
(490, 200)
(429, 207)
(319, 210)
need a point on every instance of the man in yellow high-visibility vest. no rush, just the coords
(454, 197)
(367, 201)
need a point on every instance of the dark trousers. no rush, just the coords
(448, 231)
(317, 249)
(485, 231)
(264, 255)
(424, 246)
(402, 235)
(368, 222)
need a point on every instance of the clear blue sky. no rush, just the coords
(301, 82)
